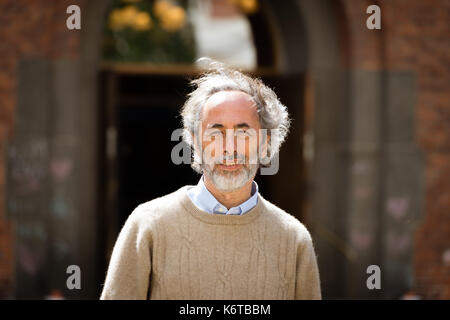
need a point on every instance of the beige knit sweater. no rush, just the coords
(169, 249)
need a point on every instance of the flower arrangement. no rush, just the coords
(246, 6)
(148, 31)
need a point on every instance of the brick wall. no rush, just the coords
(415, 37)
(28, 29)
(418, 39)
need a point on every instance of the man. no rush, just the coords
(219, 239)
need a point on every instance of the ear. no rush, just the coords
(264, 152)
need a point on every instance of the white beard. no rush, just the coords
(228, 181)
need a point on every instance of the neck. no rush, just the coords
(230, 198)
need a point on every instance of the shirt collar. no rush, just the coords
(206, 201)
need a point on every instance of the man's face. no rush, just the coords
(230, 127)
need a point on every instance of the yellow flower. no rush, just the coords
(129, 16)
(160, 7)
(129, 13)
(116, 21)
(247, 6)
(173, 18)
(142, 21)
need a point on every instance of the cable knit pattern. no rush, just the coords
(170, 249)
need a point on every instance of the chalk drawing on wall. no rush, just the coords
(398, 242)
(60, 206)
(30, 258)
(28, 166)
(61, 169)
(398, 206)
(361, 240)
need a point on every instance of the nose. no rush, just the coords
(229, 144)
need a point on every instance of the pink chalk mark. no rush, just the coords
(397, 207)
(61, 169)
(397, 242)
(29, 261)
(361, 240)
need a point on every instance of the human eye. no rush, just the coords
(241, 133)
(213, 133)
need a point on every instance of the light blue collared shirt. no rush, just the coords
(205, 201)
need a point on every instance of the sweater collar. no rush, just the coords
(204, 216)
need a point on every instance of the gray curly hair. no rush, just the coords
(218, 77)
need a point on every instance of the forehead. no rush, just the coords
(229, 106)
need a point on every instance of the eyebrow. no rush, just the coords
(242, 125)
(220, 126)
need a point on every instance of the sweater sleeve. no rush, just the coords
(128, 274)
(307, 286)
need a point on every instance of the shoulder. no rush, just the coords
(286, 222)
(158, 208)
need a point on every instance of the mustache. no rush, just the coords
(230, 158)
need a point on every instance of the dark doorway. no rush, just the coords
(139, 113)
(148, 114)
(286, 187)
